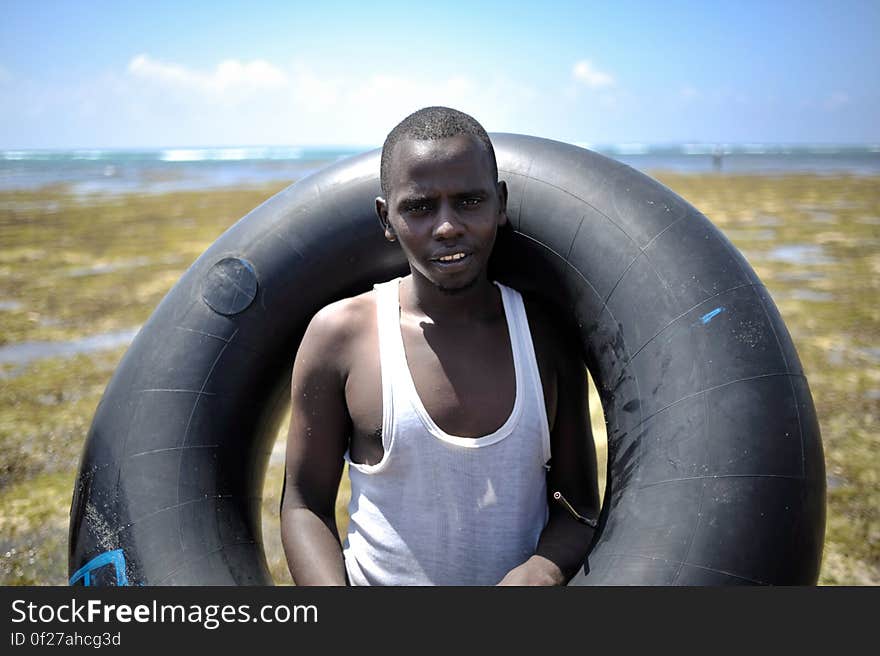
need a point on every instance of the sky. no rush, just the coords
(81, 74)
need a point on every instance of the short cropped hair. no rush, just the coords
(430, 124)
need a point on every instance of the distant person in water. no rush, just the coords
(717, 155)
(457, 405)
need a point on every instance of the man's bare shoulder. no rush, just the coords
(339, 327)
(344, 320)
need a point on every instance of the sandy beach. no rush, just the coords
(79, 273)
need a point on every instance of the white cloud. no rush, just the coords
(229, 76)
(301, 86)
(261, 102)
(836, 101)
(584, 71)
(154, 102)
(314, 92)
(389, 93)
(378, 102)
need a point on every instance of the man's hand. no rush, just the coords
(537, 570)
(565, 541)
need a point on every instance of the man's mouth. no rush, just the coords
(452, 257)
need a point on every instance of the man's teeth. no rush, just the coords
(452, 258)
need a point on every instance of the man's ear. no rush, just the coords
(382, 213)
(502, 202)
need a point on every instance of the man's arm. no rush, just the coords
(316, 443)
(564, 542)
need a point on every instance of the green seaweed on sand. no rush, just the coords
(72, 266)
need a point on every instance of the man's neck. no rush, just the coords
(480, 300)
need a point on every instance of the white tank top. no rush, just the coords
(439, 509)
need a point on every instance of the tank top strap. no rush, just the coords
(526, 360)
(390, 352)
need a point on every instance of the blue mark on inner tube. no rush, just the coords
(115, 558)
(706, 318)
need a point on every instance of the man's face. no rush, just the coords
(444, 207)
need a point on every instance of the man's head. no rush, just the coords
(430, 124)
(442, 198)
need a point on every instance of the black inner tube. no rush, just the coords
(715, 467)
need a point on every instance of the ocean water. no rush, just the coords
(161, 170)
(173, 169)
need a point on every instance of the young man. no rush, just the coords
(446, 395)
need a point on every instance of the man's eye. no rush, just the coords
(471, 202)
(417, 208)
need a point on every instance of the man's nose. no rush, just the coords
(448, 224)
